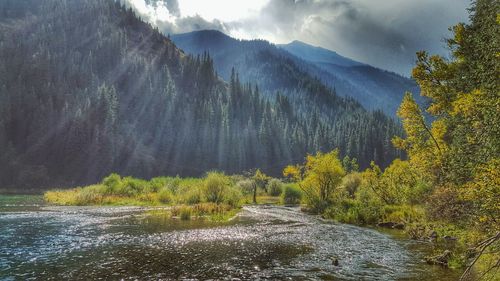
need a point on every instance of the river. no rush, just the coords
(40, 242)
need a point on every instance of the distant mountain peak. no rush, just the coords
(211, 32)
(317, 54)
(304, 44)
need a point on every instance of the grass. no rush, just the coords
(210, 211)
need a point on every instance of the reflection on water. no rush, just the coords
(265, 242)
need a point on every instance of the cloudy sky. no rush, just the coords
(384, 33)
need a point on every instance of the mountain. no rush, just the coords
(373, 87)
(318, 54)
(273, 67)
(87, 88)
(254, 61)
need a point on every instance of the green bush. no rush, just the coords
(186, 212)
(156, 184)
(351, 183)
(112, 183)
(275, 187)
(402, 213)
(174, 184)
(190, 195)
(133, 186)
(215, 186)
(291, 195)
(233, 197)
(165, 196)
(90, 195)
(246, 186)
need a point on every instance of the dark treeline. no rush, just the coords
(87, 88)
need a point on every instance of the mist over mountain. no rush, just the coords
(274, 67)
(87, 88)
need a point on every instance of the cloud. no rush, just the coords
(168, 17)
(173, 8)
(382, 33)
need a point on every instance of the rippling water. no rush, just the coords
(39, 242)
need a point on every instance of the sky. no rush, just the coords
(383, 33)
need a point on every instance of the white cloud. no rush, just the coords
(152, 13)
(223, 10)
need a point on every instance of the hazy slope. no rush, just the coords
(373, 87)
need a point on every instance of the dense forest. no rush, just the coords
(87, 88)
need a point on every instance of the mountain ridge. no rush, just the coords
(372, 87)
(321, 54)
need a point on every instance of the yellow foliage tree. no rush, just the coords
(318, 178)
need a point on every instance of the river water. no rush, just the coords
(39, 242)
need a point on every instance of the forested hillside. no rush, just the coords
(87, 88)
(283, 67)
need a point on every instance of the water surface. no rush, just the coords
(39, 242)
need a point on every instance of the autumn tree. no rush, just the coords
(319, 178)
(459, 150)
(259, 181)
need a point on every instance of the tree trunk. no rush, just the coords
(255, 193)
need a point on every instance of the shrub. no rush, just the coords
(186, 212)
(156, 184)
(320, 177)
(214, 187)
(346, 211)
(190, 195)
(150, 198)
(370, 205)
(165, 196)
(275, 187)
(402, 214)
(90, 195)
(291, 195)
(246, 186)
(315, 204)
(112, 183)
(351, 183)
(232, 197)
(174, 184)
(132, 186)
